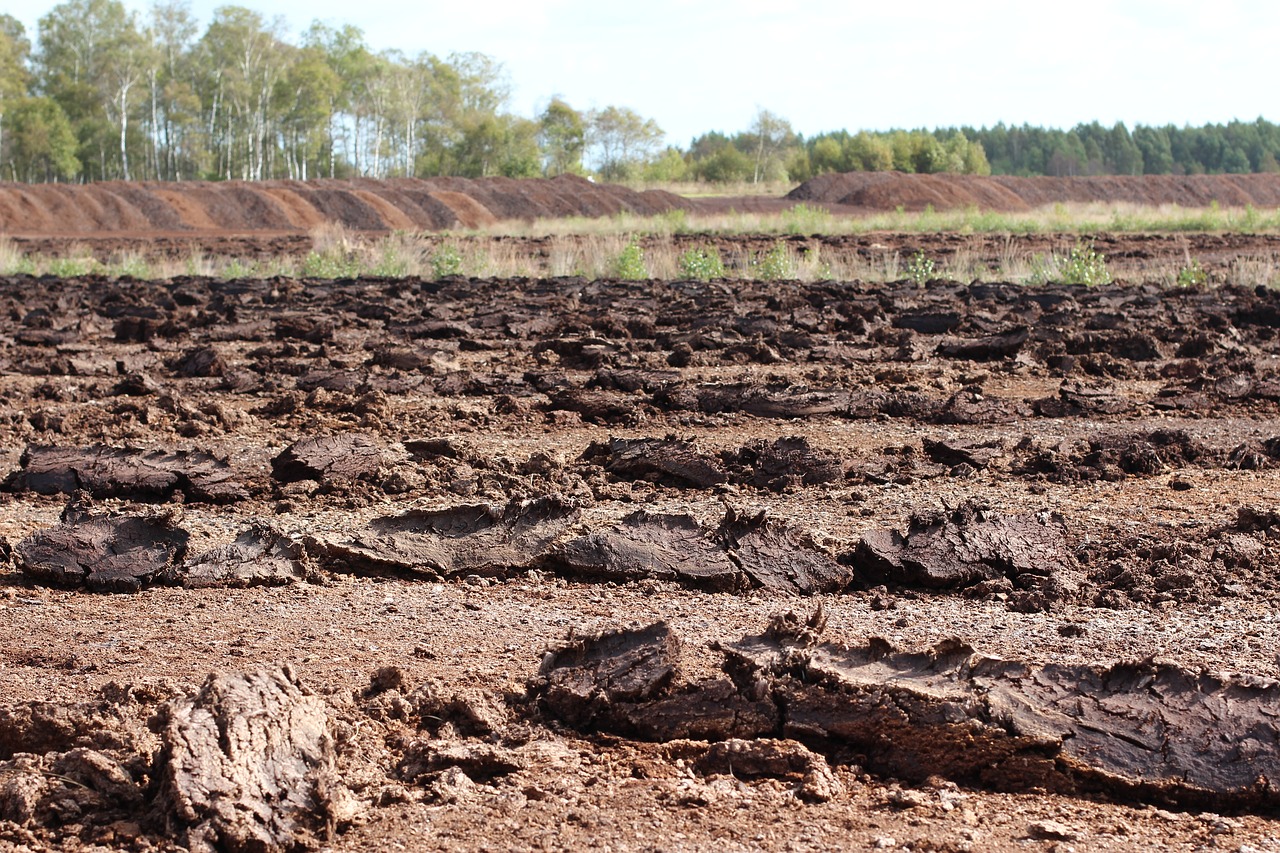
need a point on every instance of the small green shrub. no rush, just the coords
(70, 267)
(776, 265)
(1192, 275)
(1085, 266)
(446, 261)
(674, 221)
(131, 266)
(629, 265)
(237, 269)
(20, 265)
(329, 265)
(920, 269)
(803, 219)
(394, 260)
(702, 264)
(13, 261)
(1044, 269)
(813, 268)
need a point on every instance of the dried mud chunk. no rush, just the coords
(645, 545)
(600, 407)
(199, 362)
(712, 709)
(581, 681)
(343, 458)
(107, 472)
(971, 406)
(929, 323)
(1003, 345)
(1076, 400)
(80, 786)
(247, 764)
(958, 451)
(787, 461)
(773, 758)
(332, 379)
(105, 553)
(1111, 457)
(479, 539)
(1147, 731)
(40, 727)
(968, 546)
(304, 328)
(664, 460)
(779, 557)
(786, 402)
(260, 556)
(480, 761)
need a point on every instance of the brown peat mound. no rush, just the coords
(298, 206)
(283, 207)
(891, 190)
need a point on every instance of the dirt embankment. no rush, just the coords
(891, 190)
(367, 205)
(298, 206)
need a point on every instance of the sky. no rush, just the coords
(840, 64)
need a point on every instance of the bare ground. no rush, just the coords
(1039, 526)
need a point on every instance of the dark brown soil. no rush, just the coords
(180, 211)
(548, 563)
(893, 190)
(237, 207)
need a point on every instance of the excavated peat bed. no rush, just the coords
(562, 563)
(1136, 257)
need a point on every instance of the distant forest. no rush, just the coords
(102, 93)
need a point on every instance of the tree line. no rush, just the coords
(771, 150)
(104, 93)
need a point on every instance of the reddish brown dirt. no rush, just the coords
(293, 206)
(407, 492)
(236, 207)
(891, 190)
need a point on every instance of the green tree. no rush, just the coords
(622, 140)
(769, 137)
(868, 153)
(562, 136)
(726, 165)
(464, 127)
(15, 51)
(15, 79)
(346, 54)
(1157, 153)
(668, 166)
(497, 144)
(174, 120)
(242, 57)
(92, 58)
(304, 100)
(827, 155)
(40, 145)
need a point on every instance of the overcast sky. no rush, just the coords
(831, 64)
